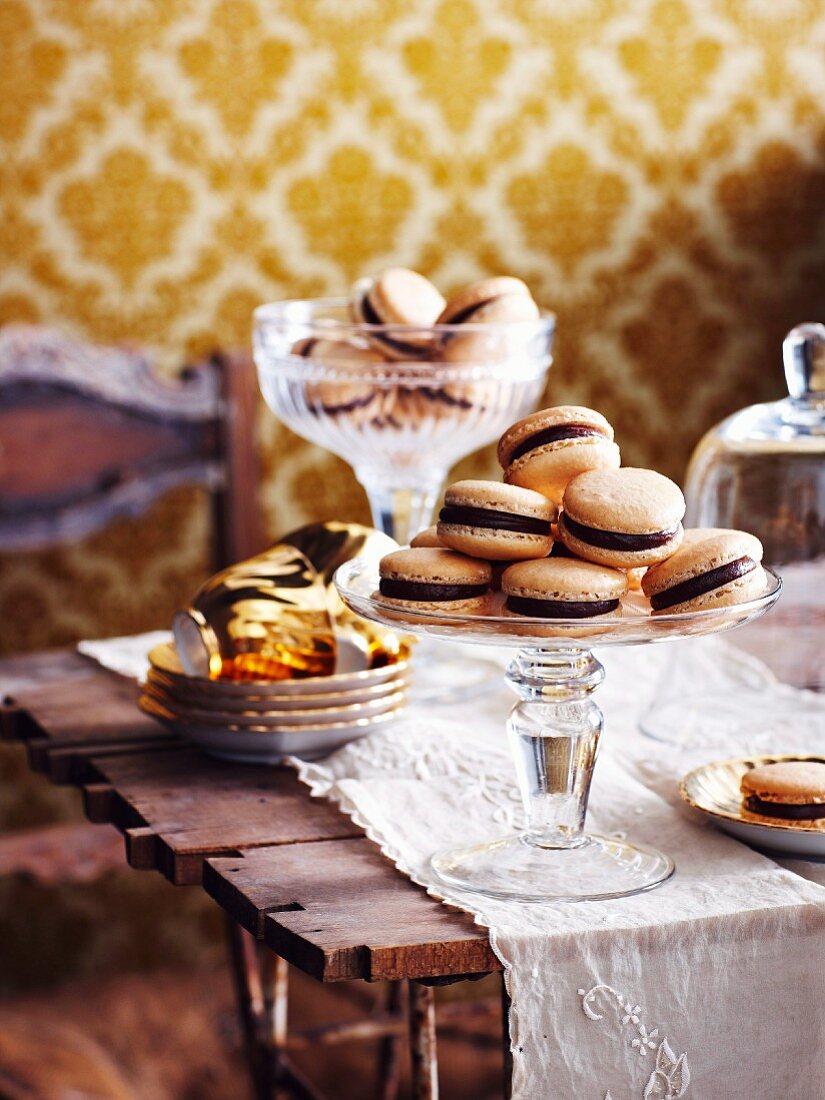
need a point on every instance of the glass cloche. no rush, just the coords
(763, 470)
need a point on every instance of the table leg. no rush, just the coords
(275, 982)
(390, 1050)
(248, 990)
(423, 1051)
(507, 1078)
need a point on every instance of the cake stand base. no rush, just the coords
(516, 868)
(554, 732)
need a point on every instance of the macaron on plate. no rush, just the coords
(496, 522)
(625, 518)
(729, 792)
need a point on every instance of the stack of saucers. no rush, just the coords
(260, 722)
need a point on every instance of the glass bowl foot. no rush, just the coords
(515, 868)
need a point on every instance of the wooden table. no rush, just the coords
(292, 871)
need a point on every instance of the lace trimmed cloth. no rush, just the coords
(708, 987)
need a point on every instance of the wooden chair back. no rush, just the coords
(89, 434)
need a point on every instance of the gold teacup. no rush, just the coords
(328, 545)
(277, 615)
(262, 619)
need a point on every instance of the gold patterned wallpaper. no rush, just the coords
(655, 169)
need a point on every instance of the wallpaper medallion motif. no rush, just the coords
(655, 170)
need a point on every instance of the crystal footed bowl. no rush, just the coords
(400, 404)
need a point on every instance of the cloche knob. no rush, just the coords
(803, 353)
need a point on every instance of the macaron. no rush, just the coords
(548, 448)
(425, 579)
(498, 522)
(358, 399)
(563, 588)
(499, 301)
(398, 296)
(428, 538)
(712, 568)
(625, 518)
(793, 790)
(340, 397)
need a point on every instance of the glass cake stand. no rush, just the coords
(554, 731)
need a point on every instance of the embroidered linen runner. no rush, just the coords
(709, 987)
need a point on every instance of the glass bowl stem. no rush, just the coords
(554, 735)
(401, 508)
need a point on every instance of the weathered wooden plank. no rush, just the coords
(27, 673)
(73, 763)
(197, 807)
(65, 721)
(290, 868)
(341, 910)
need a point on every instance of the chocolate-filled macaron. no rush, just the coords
(341, 396)
(428, 538)
(563, 588)
(426, 579)
(499, 301)
(398, 296)
(712, 568)
(545, 450)
(625, 518)
(499, 522)
(793, 790)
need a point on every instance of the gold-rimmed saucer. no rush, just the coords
(714, 789)
(265, 744)
(273, 719)
(164, 659)
(209, 698)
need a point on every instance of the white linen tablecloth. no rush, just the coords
(709, 987)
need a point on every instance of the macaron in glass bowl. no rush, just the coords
(403, 402)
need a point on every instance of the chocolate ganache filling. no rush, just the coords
(425, 591)
(705, 582)
(560, 609)
(616, 540)
(467, 516)
(553, 435)
(791, 811)
(464, 315)
(371, 318)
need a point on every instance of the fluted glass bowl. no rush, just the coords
(402, 421)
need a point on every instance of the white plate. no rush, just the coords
(714, 791)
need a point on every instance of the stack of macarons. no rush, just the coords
(405, 319)
(568, 532)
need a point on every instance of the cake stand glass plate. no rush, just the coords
(713, 789)
(554, 731)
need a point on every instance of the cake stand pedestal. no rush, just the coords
(554, 732)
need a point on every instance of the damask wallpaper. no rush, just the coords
(655, 169)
